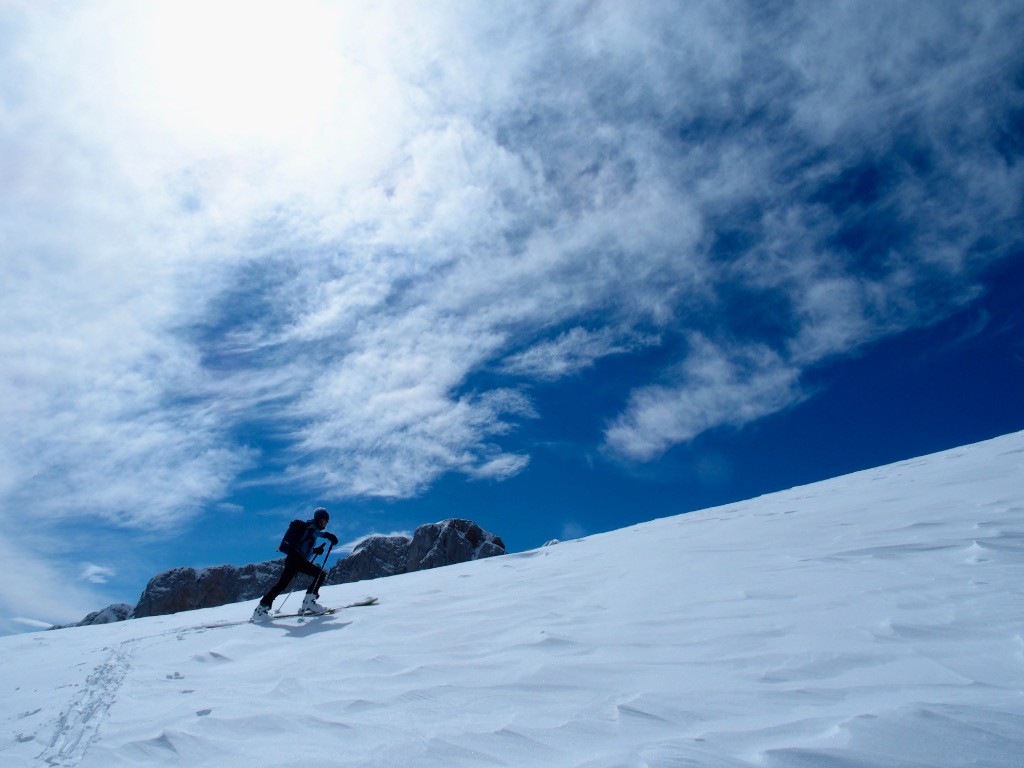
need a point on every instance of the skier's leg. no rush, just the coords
(317, 573)
(309, 603)
(318, 582)
(292, 565)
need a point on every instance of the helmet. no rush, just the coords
(321, 514)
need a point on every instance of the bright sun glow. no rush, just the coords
(243, 70)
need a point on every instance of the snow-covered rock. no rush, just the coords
(113, 612)
(433, 545)
(373, 557)
(451, 541)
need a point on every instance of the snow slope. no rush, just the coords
(871, 620)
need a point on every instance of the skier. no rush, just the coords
(297, 546)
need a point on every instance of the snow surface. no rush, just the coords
(871, 620)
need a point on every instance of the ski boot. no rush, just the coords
(310, 605)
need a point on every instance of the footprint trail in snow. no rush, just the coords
(78, 724)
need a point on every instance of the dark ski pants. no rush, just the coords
(294, 564)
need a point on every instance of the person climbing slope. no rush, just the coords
(297, 546)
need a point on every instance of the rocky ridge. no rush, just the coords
(182, 589)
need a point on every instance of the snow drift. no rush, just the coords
(871, 620)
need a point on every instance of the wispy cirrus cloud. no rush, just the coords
(575, 350)
(318, 234)
(712, 387)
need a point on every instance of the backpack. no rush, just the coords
(293, 536)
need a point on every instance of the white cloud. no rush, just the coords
(573, 351)
(31, 623)
(502, 467)
(714, 386)
(191, 250)
(36, 591)
(392, 424)
(96, 574)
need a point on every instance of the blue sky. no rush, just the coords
(553, 267)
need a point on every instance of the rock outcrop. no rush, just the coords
(110, 614)
(451, 541)
(184, 589)
(372, 558)
(431, 546)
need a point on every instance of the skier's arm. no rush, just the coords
(324, 535)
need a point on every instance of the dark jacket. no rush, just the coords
(308, 540)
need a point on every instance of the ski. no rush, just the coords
(327, 612)
(271, 616)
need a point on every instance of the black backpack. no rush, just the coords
(293, 536)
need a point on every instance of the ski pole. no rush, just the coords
(323, 568)
(281, 607)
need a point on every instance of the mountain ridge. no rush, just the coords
(186, 588)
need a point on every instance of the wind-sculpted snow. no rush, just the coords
(869, 621)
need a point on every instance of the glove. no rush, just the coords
(318, 550)
(331, 538)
